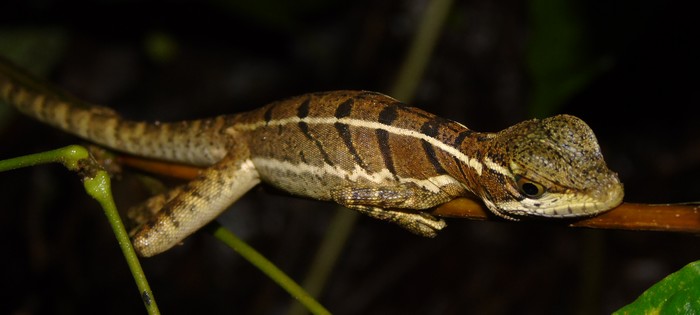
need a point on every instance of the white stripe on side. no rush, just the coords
(473, 163)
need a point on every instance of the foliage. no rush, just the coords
(678, 293)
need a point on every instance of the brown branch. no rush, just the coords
(627, 216)
(173, 170)
(653, 217)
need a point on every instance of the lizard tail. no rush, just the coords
(189, 142)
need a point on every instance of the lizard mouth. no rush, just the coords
(569, 204)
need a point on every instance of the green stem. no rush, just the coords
(68, 156)
(97, 185)
(326, 256)
(266, 267)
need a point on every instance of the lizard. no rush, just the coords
(363, 150)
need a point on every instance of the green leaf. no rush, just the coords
(678, 293)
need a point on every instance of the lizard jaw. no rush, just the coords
(562, 205)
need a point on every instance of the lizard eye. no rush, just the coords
(529, 188)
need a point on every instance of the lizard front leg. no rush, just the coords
(394, 204)
(196, 203)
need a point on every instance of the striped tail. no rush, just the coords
(185, 142)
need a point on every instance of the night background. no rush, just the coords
(627, 68)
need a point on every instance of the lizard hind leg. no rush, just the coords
(184, 210)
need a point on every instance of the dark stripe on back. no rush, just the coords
(430, 154)
(344, 109)
(457, 145)
(431, 127)
(268, 115)
(387, 116)
(303, 109)
(344, 131)
(302, 112)
(385, 149)
(460, 138)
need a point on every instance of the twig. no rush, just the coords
(627, 216)
(97, 184)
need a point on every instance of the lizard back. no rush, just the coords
(312, 144)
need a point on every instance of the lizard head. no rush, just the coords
(549, 168)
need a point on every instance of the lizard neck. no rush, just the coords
(466, 155)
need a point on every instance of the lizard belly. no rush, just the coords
(321, 181)
(314, 181)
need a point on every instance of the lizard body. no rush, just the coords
(363, 150)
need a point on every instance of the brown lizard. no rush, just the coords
(363, 150)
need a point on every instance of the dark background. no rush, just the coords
(628, 68)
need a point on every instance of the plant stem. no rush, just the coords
(266, 267)
(97, 185)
